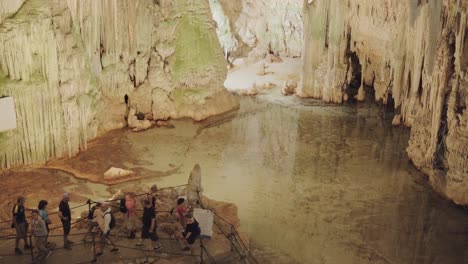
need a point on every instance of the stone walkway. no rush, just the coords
(82, 252)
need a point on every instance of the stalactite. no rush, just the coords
(9, 7)
(69, 63)
(413, 53)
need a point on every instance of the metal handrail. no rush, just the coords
(242, 250)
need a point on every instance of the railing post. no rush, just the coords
(31, 246)
(230, 238)
(201, 252)
(94, 247)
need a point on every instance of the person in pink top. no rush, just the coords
(181, 210)
(131, 219)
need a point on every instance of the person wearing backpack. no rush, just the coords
(93, 214)
(20, 224)
(106, 223)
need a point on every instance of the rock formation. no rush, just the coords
(194, 189)
(113, 173)
(289, 88)
(261, 26)
(75, 67)
(413, 55)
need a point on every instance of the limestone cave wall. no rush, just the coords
(411, 55)
(256, 27)
(76, 67)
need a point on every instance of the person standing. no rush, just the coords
(93, 215)
(65, 217)
(42, 210)
(181, 210)
(149, 227)
(106, 222)
(130, 205)
(20, 224)
(152, 195)
(39, 231)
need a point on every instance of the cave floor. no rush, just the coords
(314, 183)
(243, 75)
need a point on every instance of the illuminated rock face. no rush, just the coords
(9, 7)
(415, 56)
(260, 26)
(76, 67)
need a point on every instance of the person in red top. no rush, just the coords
(182, 209)
(131, 219)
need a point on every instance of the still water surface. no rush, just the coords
(315, 183)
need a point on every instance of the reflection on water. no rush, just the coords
(328, 185)
(316, 184)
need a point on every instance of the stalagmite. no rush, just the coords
(194, 189)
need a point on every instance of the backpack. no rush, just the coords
(91, 213)
(19, 218)
(122, 207)
(112, 222)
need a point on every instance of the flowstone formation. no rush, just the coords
(410, 55)
(76, 68)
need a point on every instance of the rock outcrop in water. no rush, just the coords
(75, 67)
(414, 54)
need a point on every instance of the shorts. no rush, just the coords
(66, 227)
(131, 222)
(92, 225)
(145, 233)
(41, 243)
(104, 237)
(191, 238)
(21, 229)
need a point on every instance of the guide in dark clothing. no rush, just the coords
(149, 228)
